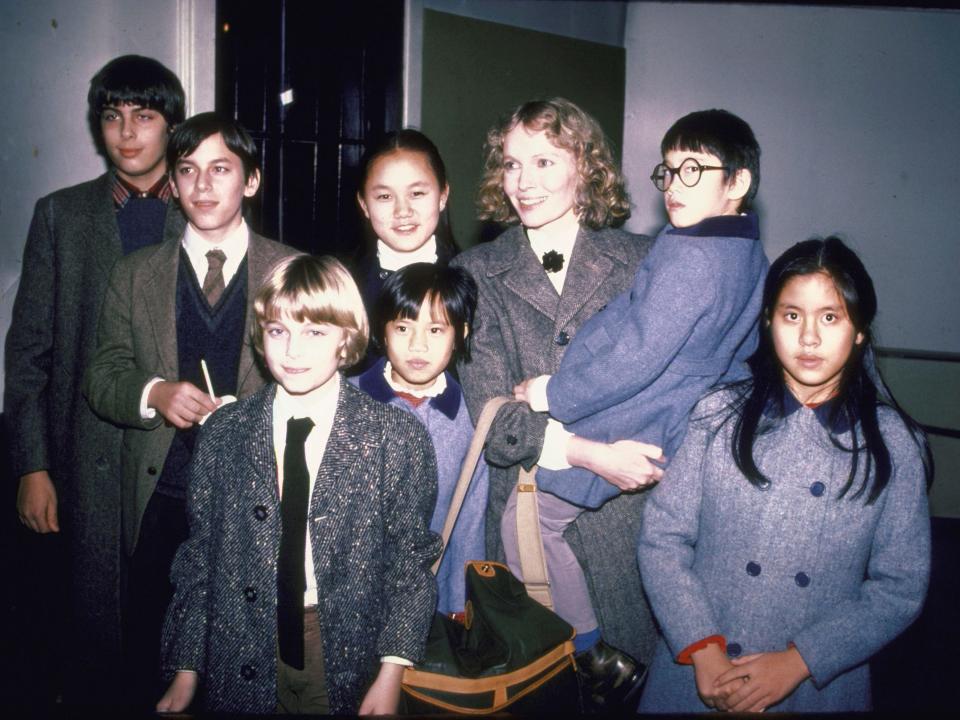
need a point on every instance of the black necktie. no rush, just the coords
(291, 578)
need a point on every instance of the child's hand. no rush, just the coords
(767, 678)
(180, 694)
(383, 697)
(181, 404)
(710, 664)
(533, 391)
(37, 502)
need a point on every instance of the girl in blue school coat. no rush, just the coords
(421, 322)
(790, 539)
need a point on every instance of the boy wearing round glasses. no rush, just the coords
(636, 369)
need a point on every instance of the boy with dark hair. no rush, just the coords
(66, 460)
(636, 369)
(176, 318)
(421, 325)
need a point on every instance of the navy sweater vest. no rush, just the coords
(212, 334)
(141, 223)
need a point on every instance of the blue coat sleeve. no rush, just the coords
(622, 350)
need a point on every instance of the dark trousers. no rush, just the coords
(149, 591)
(35, 616)
(304, 692)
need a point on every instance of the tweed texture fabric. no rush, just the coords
(73, 243)
(137, 341)
(636, 370)
(790, 564)
(522, 329)
(372, 551)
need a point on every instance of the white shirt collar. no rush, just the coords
(234, 246)
(439, 384)
(392, 260)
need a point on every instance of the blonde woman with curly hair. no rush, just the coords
(550, 174)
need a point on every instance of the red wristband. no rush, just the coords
(685, 656)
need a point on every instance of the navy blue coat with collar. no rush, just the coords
(637, 369)
(372, 551)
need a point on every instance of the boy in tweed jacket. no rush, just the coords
(366, 594)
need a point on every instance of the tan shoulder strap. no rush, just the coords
(529, 539)
(484, 422)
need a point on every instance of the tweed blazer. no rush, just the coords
(70, 250)
(793, 563)
(137, 341)
(522, 329)
(372, 550)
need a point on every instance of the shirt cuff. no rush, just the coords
(556, 439)
(396, 660)
(148, 413)
(537, 391)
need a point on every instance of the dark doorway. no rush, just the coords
(313, 82)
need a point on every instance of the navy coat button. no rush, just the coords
(753, 569)
(562, 338)
(734, 649)
(248, 672)
(384, 274)
(260, 512)
(102, 462)
(151, 470)
(511, 439)
(801, 579)
(250, 594)
(817, 489)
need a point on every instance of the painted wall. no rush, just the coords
(857, 111)
(600, 21)
(49, 50)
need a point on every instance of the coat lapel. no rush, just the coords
(159, 292)
(524, 275)
(103, 234)
(261, 453)
(589, 268)
(344, 448)
(258, 264)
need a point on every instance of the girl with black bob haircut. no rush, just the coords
(789, 540)
(859, 390)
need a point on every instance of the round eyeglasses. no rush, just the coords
(689, 173)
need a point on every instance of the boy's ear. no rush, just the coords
(363, 206)
(444, 194)
(173, 184)
(740, 184)
(253, 184)
(466, 331)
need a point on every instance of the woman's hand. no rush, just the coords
(626, 464)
